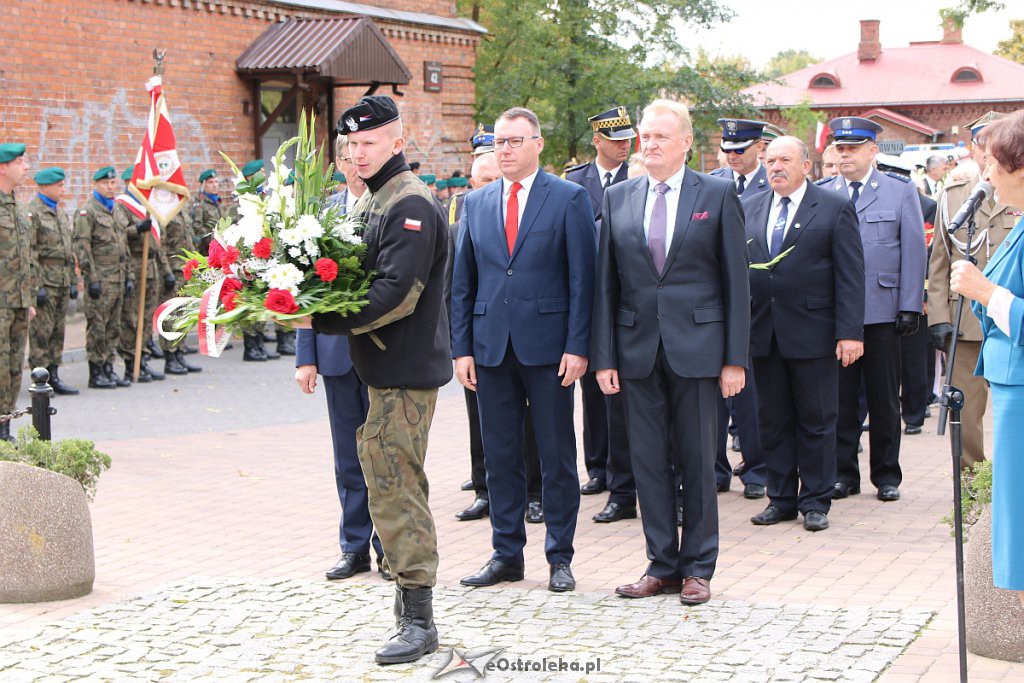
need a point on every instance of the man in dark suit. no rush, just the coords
(807, 310)
(521, 304)
(605, 446)
(672, 322)
(892, 232)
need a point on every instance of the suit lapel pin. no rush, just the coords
(796, 226)
(874, 184)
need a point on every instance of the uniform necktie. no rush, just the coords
(856, 185)
(742, 184)
(607, 179)
(779, 231)
(512, 216)
(656, 231)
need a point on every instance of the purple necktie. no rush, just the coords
(656, 229)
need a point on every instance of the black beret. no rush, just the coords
(371, 112)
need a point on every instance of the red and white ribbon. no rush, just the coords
(212, 339)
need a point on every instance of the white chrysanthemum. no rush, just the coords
(346, 232)
(290, 236)
(283, 276)
(304, 260)
(309, 227)
(294, 252)
(311, 248)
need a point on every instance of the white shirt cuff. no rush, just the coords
(999, 308)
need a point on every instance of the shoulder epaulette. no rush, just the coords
(824, 181)
(897, 176)
(452, 207)
(573, 169)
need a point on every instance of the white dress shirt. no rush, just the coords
(522, 195)
(350, 201)
(601, 171)
(747, 179)
(999, 308)
(776, 209)
(674, 183)
(863, 183)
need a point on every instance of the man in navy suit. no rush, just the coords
(672, 323)
(521, 303)
(807, 312)
(605, 446)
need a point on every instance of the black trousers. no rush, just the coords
(799, 405)
(880, 366)
(673, 425)
(745, 416)
(605, 444)
(917, 357)
(478, 473)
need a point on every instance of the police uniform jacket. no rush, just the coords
(589, 176)
(758, 183)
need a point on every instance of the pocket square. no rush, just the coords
(701, 216)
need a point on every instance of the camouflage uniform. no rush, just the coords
(101, 249)
(993, 224)
(175, 238)
(17, 284)
(205, 215)
(54, 256)
(156, 268)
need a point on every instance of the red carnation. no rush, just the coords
(262, 248)
(280, 301)
(189, 267)
(229, 293)
(215, 256)
(327, 269)
(230, 256)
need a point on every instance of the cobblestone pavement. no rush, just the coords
(287, 630)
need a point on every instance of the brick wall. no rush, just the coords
(72, 79)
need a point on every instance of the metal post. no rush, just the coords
(41, 392)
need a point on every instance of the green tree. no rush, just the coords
(573, 59)
(802, 121)
(966, 8)
(1013, 47)
(788, 61)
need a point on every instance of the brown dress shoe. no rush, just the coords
(648, 586)
(695, 591)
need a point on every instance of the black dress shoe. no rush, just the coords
(349, 565)
(815, 520)
(888, 493)
(467, 485)
(772, 515)
(495, 571)
(913, 429)
(561, 578)
(384, 573)
(722, 488)
(753, 491)
(478, 510)
(534, 512)
(740, 468)
(844, 490)
(613, 512)
(593, 485)
(736, 444)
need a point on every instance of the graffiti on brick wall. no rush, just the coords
(101, 133)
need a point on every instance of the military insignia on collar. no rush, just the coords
(874, 184)
(351, 123)
(847, 124)
(761, 181)
(838, 185)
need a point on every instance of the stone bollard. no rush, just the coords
(994, 616)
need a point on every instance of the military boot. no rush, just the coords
(129, 368)
(98, 379)
(286, 343)
(253, 350)
(180, 355)
(153, 372)
(189, 350)
(271, 355)
(417, 635)
(58, 385)
(172, 366)
(154, 350)
(5, 431)
(108, 370)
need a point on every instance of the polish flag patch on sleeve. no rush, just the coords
(413, 224)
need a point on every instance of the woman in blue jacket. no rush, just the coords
(998, 296)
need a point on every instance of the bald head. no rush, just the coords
(485, 170)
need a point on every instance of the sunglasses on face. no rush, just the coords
(736, 151)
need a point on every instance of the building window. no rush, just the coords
(966, 74)
(824, 81)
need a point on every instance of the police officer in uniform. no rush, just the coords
(16, 280)
(993, 222)
(605, 444)
(401, 349)
(54, 256)
(102, 251)
(892, 231)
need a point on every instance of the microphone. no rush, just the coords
(978, 195)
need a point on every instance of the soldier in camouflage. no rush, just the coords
(401, 350)
(176, 238)
(54, 258)
(17, 281)
(102, 257)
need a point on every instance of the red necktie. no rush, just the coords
(512, 216)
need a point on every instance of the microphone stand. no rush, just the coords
(952, 401)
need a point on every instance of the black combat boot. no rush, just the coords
(416, 635)
(154, 350)
(153, 372)
(286, 343)
(180, 355)
(189, 350)
(98, 379)
(129, 368)
(58, 384)
(108, 370)
(172, 366)
(5, 434)
(253, 349)
(271, 355)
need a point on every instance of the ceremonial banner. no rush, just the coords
(158, 181)
(821, 137)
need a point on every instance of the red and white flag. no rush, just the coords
(821, 137)
(158, 181)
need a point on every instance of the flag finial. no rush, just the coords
(158, 56)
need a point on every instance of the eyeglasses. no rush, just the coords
(735, 151)
(513, 142)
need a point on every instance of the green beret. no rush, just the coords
(441, 184)
(127, 174)
(9, 151)
(458, 181)
(338, 177)
(428, 178)
(252, 168)
(207, 174)
(290, 180)
(105, 173)
(49, 176)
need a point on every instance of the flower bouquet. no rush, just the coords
(288, 254)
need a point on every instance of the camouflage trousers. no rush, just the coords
(179, 282)
(392, 448)
(13, 331)
(103, 322)
(130, 311)
(46, 331)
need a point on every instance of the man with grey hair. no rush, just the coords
(807, 311)
(934, 172)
